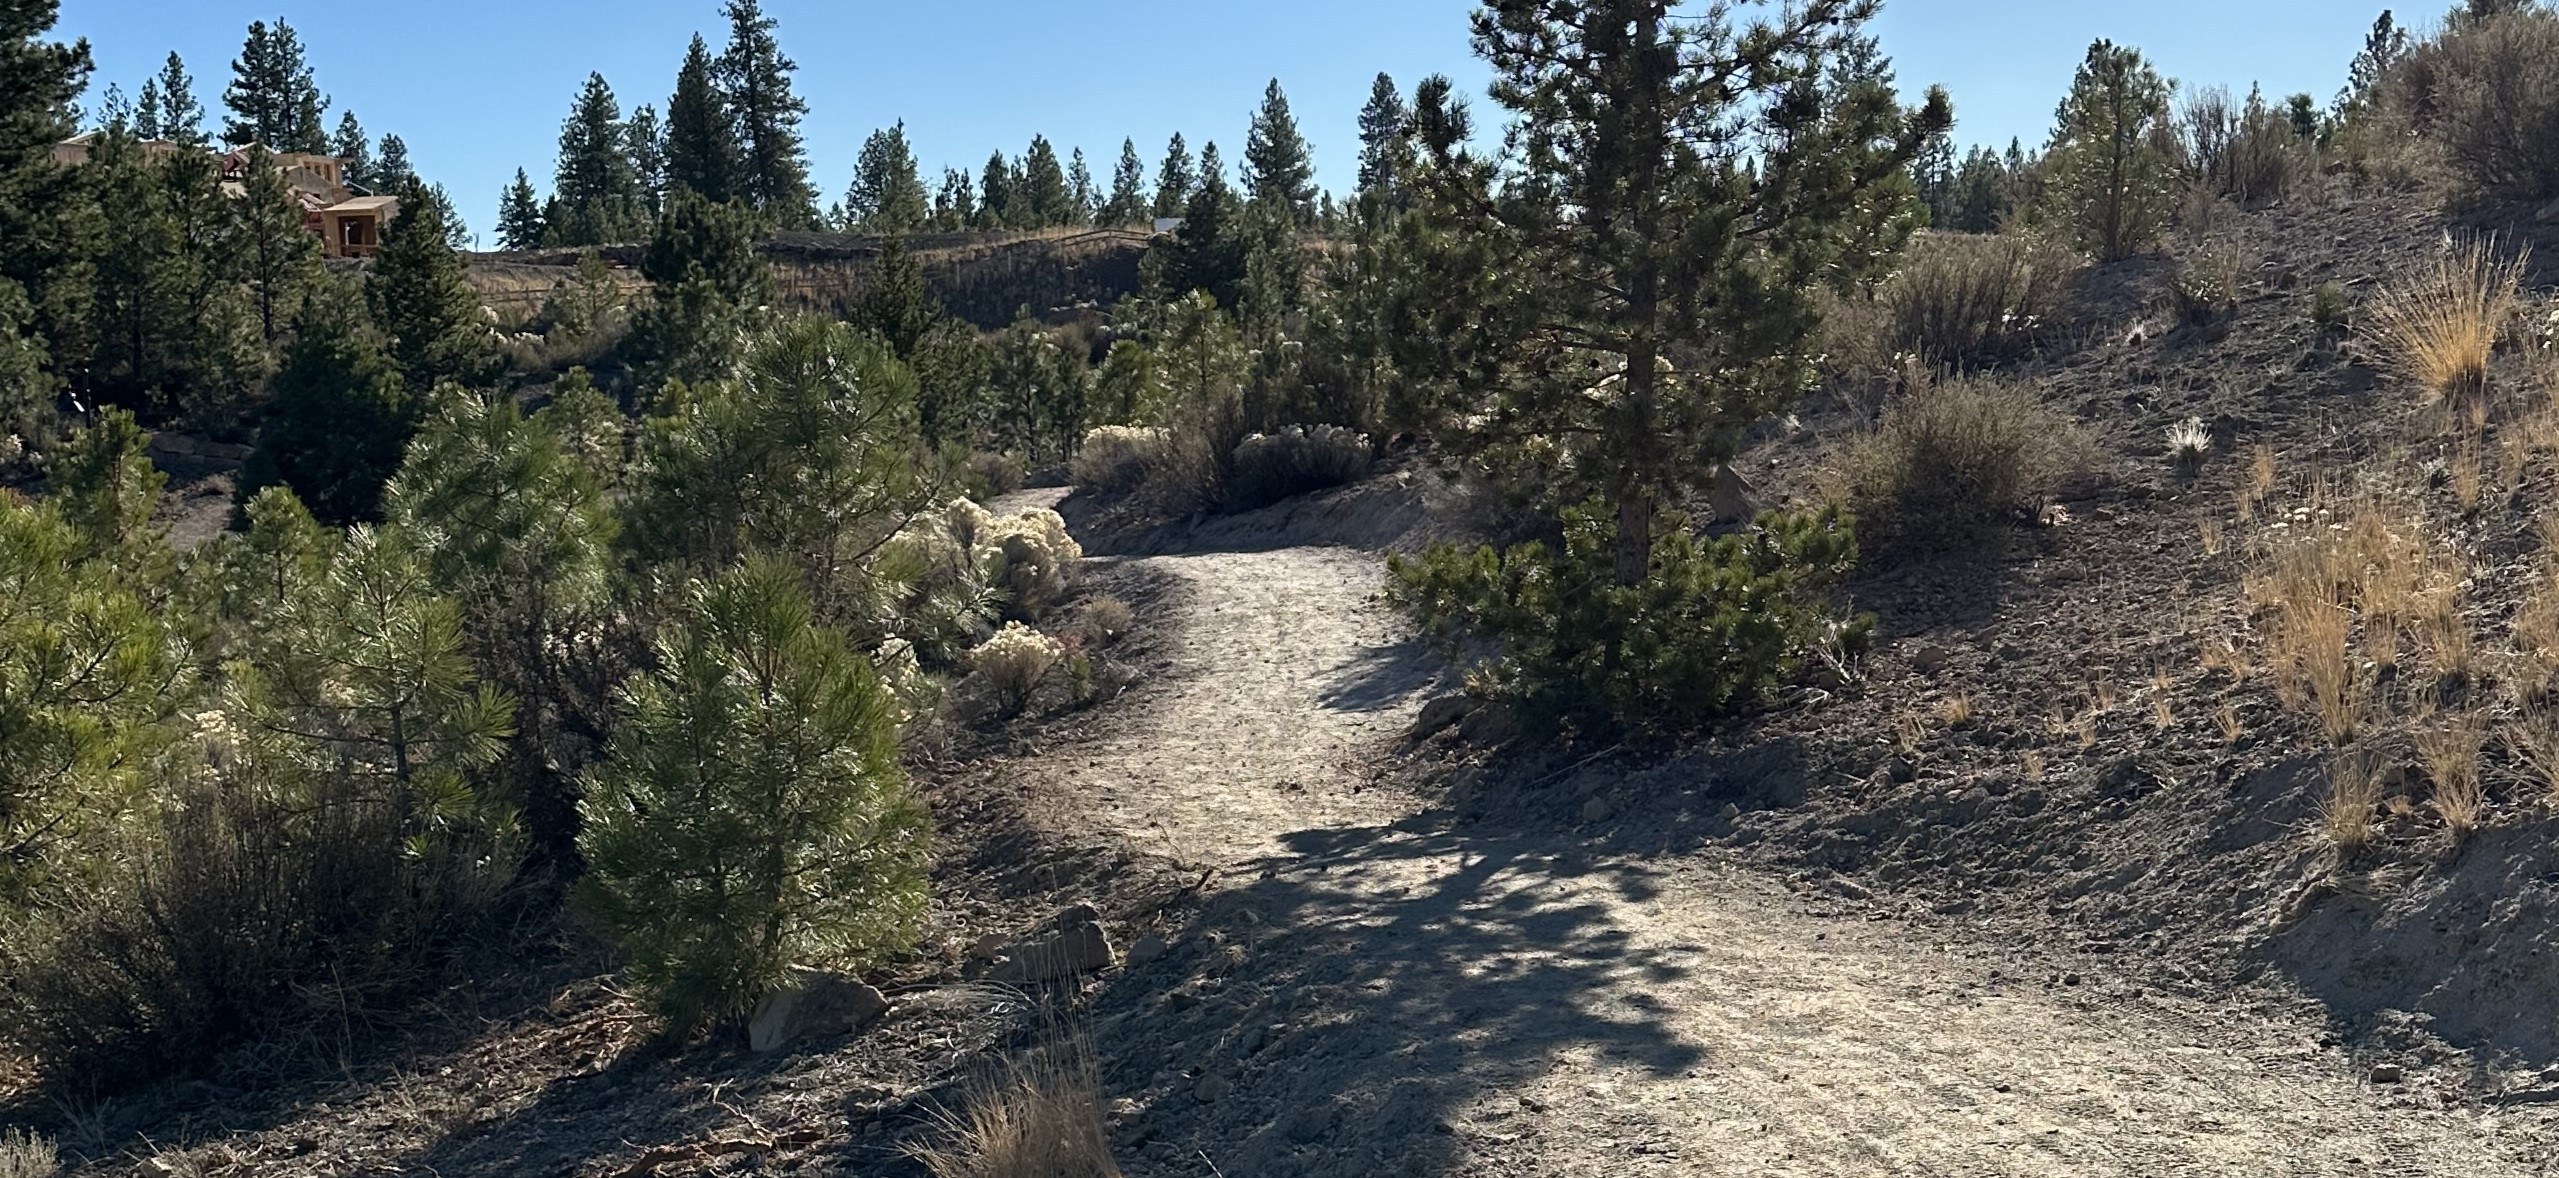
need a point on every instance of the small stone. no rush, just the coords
(1148, 948)
(1929, 659)
(1438, 714)
(2385, 1073)
(1213, 1088)
(814, 1002)
(1076, 949)
(1597, 810)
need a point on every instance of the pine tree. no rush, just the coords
(2109, 172)
(1083, 199)
(1042, 197)
(1385, 146)
(645, 138)
(47, 219)
(338, 418)
(707, 281)
(1175, 179)
(272, 97)
(887, 194)
(353, 146)
(752, 815)
(955, 205)
(520, 220)
(1684, 280)
(2384, 47)
(278, 258)
(181, 114)
(146, 111)
(755, 79)
(422, 301)
(895, 305)
(1127, 202)
(1279, 168)
(598, 190)
(1208, 251)
(391, 170)
(995, 196)
(702, 153)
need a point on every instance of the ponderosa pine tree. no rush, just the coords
(47, 221)
(1175, 179)
(1678, 191)
(1385, 144)
(273, 98)
(1279, 169)
(645, 138)
(1208, 253)
(996, 196)
(895, 305)
(1083, 197)
(2109, 169)
(752, 815)
(338, 417)
(755, 81)
(955, 203)
(391, 169)
(702, 153)
(352, 145)
(520, 224)
(278, 258)
(1127, 203)
(887, 193)
(1044, 196)
(145, 110)
(707, 279)
(596, 192)
(181, 114)
(422, 300)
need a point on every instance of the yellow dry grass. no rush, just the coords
(1040, 1116)
(2354, 797)
(2438, 326)
(2449, 746)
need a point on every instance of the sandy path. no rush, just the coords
(1445, 1005)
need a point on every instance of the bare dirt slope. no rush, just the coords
(1367, 997)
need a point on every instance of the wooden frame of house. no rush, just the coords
(347, 220)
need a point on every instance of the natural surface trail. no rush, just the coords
(1357, 999)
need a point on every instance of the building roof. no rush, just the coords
(364, 204)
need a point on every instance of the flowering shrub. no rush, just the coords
(1032, 559)
(1117, 457)
(1014, 662)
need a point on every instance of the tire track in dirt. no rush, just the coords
(1385, 1002)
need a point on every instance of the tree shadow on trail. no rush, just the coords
(1394, 981)
(1380, 677)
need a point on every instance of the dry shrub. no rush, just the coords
(1954, 457)
(2206, 286)
(2487, 94)
(1118, 457)
(984, 474)
(2438, 326)
(2330, 572)
(2354, 800)
(1107, 620)
(1038, 1117)
(2536, 634)
(1032, 559)
(1962, 300)
(1014, 663)
(25, 1155)
(2245, 151)
(1295, 461)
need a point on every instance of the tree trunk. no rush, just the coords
(1634, 536)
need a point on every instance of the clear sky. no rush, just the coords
(478, 88)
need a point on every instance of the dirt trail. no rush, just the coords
(1361, 1000)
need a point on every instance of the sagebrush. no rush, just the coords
(1953, 457)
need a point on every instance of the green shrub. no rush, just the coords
(2206, 286)
(2250, 152)
(752, 815)
(1716, 624)
(1962, 299)
(1118, 457)
(1954, 457)
(2328, 306)
(1294, 461)
(2487, 92)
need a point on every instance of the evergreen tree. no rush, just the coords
(47, 220)
(1042, 198)
(955, 205)
(707, 279)
(752, 814)
(702, 153)
(1175, 179)
(1208, 252)
(146, 111)
(895, 305)
(1127, 202)
(338, 418)
(2384, 47)
(2110, 174)
(1984, 193)
(181, 116)
(887, 194)
(1614, 251)
(520, 216)
(1083, 200)
(595, 185)
(1278, 167)
(391, 170)
(272, 97)
(2302, 111)
(755, 79)
(278, 258)
(1385, 146)
(645, 138)
(421, 300)
(995, 196)
(115, 111)
(353, 146)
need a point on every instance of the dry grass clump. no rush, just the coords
(1954, 457)
(2354, 800)
(25, 1155)
(1039, 1117)
(1962, 300)
(2450, 749)
(1107, 620)
(1118, 457)
(2333, 575)
(2439, 325)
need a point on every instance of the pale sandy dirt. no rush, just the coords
(1357, 999)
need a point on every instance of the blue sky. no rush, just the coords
(478, 87)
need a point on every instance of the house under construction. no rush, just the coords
(347, 219)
